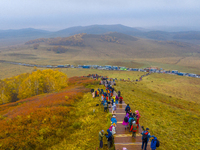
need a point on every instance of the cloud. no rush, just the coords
(66, 13)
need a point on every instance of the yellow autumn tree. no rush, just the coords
(40, 82)
(13, 85)
(4, 94)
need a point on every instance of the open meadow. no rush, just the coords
(169, 105)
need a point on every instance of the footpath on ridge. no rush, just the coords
(123, 138)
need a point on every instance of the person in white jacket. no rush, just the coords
(113, 129)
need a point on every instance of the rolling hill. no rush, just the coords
(107, 49)
(22, 35)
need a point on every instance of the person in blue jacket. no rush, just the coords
(153, 143)
(145, 138)
(113, 119)
(131, 119)
(128, 108)
(109, 137)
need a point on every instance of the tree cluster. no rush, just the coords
(28, 85)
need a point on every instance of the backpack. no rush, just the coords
(157, 143)
(128, 109)
(131, 121)
(125, 119)
(145, 136)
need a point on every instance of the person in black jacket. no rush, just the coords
(127, 109)
(109, 137)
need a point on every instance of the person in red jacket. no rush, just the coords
(138, 117)
(120, 99)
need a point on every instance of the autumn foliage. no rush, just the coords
(40, 121)
(28, 85)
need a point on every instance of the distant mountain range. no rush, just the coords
(30, 33)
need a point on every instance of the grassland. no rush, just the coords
(9, 70)
(169, 105)
(130, 52)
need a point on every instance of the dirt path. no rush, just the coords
(123, 138)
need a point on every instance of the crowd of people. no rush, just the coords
(108, 100)
(131, 119)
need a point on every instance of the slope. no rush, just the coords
(110, 48)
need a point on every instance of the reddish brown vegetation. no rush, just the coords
(40, 121)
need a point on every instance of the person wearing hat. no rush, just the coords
(101, 138)
(145, 138)
(113, 119)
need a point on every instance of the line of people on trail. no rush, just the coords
(107, 98)
(131, 121)
(94, 76)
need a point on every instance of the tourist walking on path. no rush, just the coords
(112, 128)
(127, 109)
(120, 99)
(131, 119)
(105, 106)
(134, 116)
(138, 117)
(114, 108)
(116, 98)
(145, 138)
(109, 138)
(154, 143)
(133, 129)
(101, 138)
(113, 119)
(125, 122)
(102, 97)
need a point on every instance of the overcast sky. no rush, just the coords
(59, 14)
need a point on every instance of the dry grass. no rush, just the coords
(137, 53)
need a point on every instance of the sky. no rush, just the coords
(55, 15)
